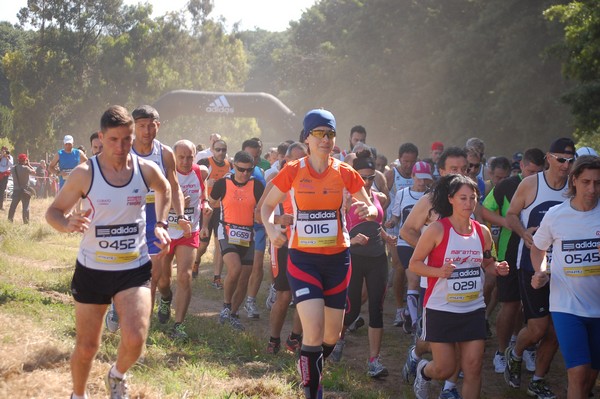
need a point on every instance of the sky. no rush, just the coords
(271, 15)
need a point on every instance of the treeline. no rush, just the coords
(424, 70)
(407, 70)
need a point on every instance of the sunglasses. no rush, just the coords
(473, 166)
(320, 133)
(370, 177)
(563, 160)
(244, 170)
(220, 149)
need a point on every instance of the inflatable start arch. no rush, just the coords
(266, 108)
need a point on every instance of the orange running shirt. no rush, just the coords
(319, 224)
(215, 171)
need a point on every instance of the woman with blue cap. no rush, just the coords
(319, 258)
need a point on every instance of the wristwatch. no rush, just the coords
(164, 225)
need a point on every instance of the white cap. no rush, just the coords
(586, 151)
(68, 139)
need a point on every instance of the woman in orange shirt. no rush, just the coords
(319, 257)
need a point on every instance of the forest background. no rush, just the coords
(515, 73)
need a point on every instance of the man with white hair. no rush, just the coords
(198, 212)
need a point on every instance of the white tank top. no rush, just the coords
(531, 216)
(403, 204)
(116, 238)
(400, 182)
(156, 157)
(192, 186)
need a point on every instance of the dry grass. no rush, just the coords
(36, 338)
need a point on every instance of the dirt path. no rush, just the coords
(393, 353)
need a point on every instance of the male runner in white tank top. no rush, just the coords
(147, 147)
(113, 261)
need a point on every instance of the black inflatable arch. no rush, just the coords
(266, 108)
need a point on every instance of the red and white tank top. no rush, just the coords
(192, 186)
(463, 291)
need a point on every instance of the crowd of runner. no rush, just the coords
(453, 233)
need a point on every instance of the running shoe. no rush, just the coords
(273, 347)
(410, 366)
(217, 284)
(225, 315)
(356, 324)
(178, 332)
(250, 307)
(112, 319)
(235, 323)
(529, 359)
(376, 369)
(499, 363)
(512, 372)
(195, 268)
(407, 324)
(540, 390)
(272, 297)
(164, 310)
(293, 345)
(399, 319)
(336, 355)
(116, 387)
(421, 385)
(451, 393)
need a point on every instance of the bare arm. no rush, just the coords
(53, 164)
(493, 217)
(517, 204)
(162, 200)
(269, 202)
(366, 210)
(429, 240)
(177, 199)
(538, 260)
(59, 214)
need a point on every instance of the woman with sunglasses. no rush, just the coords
(369, 266)
(319, 256)
(572, 229)
(453, 253)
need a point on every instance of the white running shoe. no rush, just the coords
(112, 319)
(499, 363)
(421, 385)
(117, 387)
(251, 308)
(272, 297)
(529, 359)
(399, 319)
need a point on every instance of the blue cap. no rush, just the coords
(316, 118)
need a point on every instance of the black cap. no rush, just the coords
(564, 145)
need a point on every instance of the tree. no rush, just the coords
(580, 52)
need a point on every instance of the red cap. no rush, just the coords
(437, 145)
(22, 157)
